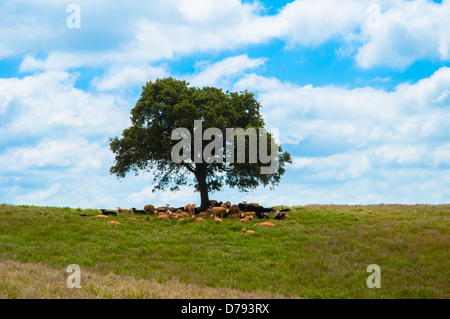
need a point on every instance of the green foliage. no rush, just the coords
(167, 104)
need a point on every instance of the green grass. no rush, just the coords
(318, 252)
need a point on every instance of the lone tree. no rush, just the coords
(169, 104)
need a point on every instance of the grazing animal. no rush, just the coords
(250, 214)
(265, 224)
(254, 204)
(226, 205)
(149, 209)
(84, 215)
(220, 211)
(190, 209)
(100, 217)
(248, 231)
(215, 218)
(123, 211)
(108, 212)
(212, 203)
(197, 220)
(203, 214)
(234, 209)
(113, 223)
(281, 215)
(183, 213)
(242, 207)
(138, 211)
(285, 210)
(246, 219)
(164, 217)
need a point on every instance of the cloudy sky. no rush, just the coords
(359, 90)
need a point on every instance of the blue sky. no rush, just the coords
(359, 90)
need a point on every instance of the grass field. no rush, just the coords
(318, 252)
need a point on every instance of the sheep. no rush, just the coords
(174, 215)
(280, 215)
(164, 217)
(236, 215)
(196, 220)
(246, 219)
(138, 211)
(226, 205)
(219, 211)
(250, 214)
(234, 209)
(242, 207)
(203, 214)
(265, 224)
(84, 215)
(190, 209)
(123, 211)
(212, 203)
(108, 212)
(254, 204)
(285, 210)
(113, 223)
(248, 231)
(149, 209)
(183, 214)
(100, 217)
(216, 219)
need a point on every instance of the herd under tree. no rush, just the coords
(168, 104)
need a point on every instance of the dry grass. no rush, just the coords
(36, 281)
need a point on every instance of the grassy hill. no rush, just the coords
(318, 252)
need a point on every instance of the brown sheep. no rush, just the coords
(100, 217)
(149, 209)
(250, 214)
(196, 220)
(248, 231)
(203, 214)
(226, 205)
(215, 218)
(212, 203)
(123, 211)
(183, 214)
(234, 209)
(265, 224)
(190, 209)
(220, 211)
(113, 223)
(246, 219)
(164, 217)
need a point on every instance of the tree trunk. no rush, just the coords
(200, 174)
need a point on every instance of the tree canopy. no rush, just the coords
(168, 104)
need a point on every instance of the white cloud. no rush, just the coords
(127, 76)
(142, 32)
(211, 75)
(46, 101)
(409, 31)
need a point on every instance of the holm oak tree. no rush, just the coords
(168, 104)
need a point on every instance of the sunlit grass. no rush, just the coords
(318, 252)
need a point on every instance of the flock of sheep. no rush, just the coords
(216, 212)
